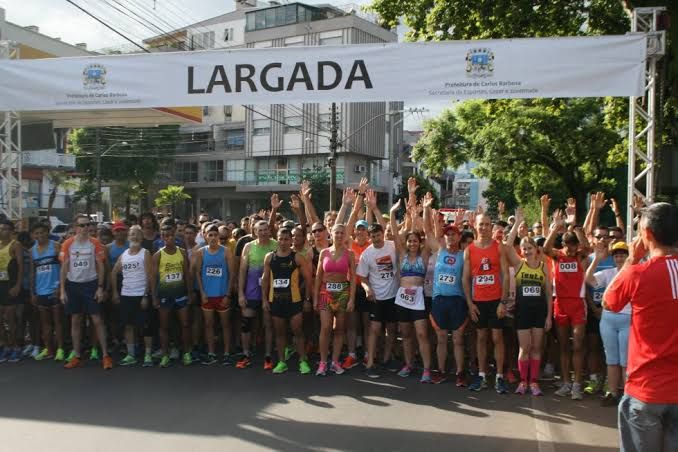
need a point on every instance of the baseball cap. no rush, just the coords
(619, 246)
(450, 227)
(361, 224)
(119, 226)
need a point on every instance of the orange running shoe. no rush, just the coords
(268, 363)
(349, 362)
(244, 362)
(73, 363)
(107, 362)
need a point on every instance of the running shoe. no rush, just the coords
(268, 363)
(349, 362)
(210, 359)
(128, 360)
(165, 361)
(280, 368)
(511, 377)
(174, 354)
(479, 383)
(304, 367)
(94, 354)
(405, 371)
(148, 360)
(438, 377)
(27, 351)
(594, 386)
(609, 399)
(195, 355)
(500, 386)
(36, 351)
(425, 376)
(322, 369)
(289, 352)
(391, 365)
(107, 362)
(535, 389)
(44, 354)
(71, 355)
(73, 363)
(336, 368)
(549, 372)
(15, 356)
(565, 390)
(4, 355)
(577, 393)
(522, 388)
(187, 359)
(157, 354)
(460, 380)
(59, 356)
(227, 361)
(372, 372)
(244, 363)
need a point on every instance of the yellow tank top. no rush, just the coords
(530, 283)
(5, 258)
(171, 275)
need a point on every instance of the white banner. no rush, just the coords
(412, 72)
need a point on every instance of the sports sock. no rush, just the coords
(535, 364)
(524, 368)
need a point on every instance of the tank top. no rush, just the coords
(568, 276)
(336, 266)
(82, 259)
(214, 272)
(486, 271)
(255, 268)
(171, 276)
(447, 274)
(47, 269)
(134, 278)
(6, 262)
(284, 279)
(115, 251)
(530, 284)
(408, 268)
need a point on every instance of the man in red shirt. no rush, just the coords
(648, 412)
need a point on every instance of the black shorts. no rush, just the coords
(362, 304)
(531, 315)
(48, 301)
(5, 299)
(488, 315)
(130, 311)
(428, 303)
(384, 311)
(80, 298)
(448, 313)
(255, 305)
(286, 309)
(592, 323)
(406, 315)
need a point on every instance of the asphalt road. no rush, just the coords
(46, 408)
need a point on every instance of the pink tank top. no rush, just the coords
(338, 266)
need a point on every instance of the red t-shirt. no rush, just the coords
(568, 274)
(652, 290)
(486, 272)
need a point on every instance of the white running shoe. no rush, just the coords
(565, 390)
(577, 393)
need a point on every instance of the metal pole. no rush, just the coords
(387, 153)
(333, 157)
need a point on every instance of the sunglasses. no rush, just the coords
(600, 237)
(317, 230)
(81, 225)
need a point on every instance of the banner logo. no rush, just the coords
(479, 63)
(94, 76)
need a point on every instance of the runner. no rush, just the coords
(171, 292)
(281, 296)
(569, 307)
(485, 282)
(45, 292)
(361, 314)
(11, 276)
(134, 269)
(214, 270)
(534, 306)
(334, 295)
(249, 293)
(82, 288)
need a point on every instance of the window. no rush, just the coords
(250, 21)
(235, 139)
(228, 35)
(261, 127)
(293, 124)
(290, 14)
(200, 41)
(331, 41)
(228, 112)
(214, 171)
(186, 171)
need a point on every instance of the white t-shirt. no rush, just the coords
(378, 265)
(604, 278)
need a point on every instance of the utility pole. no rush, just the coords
(388, 153)
(98, 146)
(333, 156)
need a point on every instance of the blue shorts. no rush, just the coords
(80, 298)
(448, 313)
(614, 331)
(48, 301)
(174, 303)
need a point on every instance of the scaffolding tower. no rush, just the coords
(10, 151)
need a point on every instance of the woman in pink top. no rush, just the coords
(334, 295)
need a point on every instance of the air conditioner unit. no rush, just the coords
(360, 168)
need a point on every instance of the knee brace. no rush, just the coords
(246, 324)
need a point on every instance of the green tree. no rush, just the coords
(170, 196)
(128, 191)
(87, 192)
(57, 180)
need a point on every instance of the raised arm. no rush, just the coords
(295, 204)
(431, 237)
(544, 202)
(347, 201)
(599, 256)
(511, 255)
(619, 220)
(371, 201)
(400, 247)
(311, 214)
(557, 224)
(276, 202)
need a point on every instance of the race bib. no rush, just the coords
(407, 296)
(568, 267)
(130, 266)
(4, 276)
(40, 269)
(531, 291)
(484, 280)
(174, 277)
(386, 275)
(446, 279)
(334, 286)
(81, 263)
(597, 297)
(281, 283)
(214, 272)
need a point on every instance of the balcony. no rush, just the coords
(48, 158)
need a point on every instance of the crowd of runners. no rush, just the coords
(478, 300)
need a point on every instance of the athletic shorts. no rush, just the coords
(48, 301)
(428, 301)
(362, 304)
(448, 313)
(384, 311)
(216, 304)
(569, 311)
(253, 304)
(530, 315)
(286, 309)
(488, 315)
(130, 311)
(5, 299)
(80, 298)
(592, 322)
(614, 330)
(406, 315)
(334, 297)
(174, 303)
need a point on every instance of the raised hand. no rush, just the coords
(395, 207)
(371, 198)
(411, 185)
(519, 215)
(305, 190)
(558, 220)
(427, 201)
(349, 196)
(363, 185)
(571, 210)
(601, 250)
(501, 207)
(638, 203)
(276, 202)
(599, 200)
(614, 205)
(295, 202)
(545, 201)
